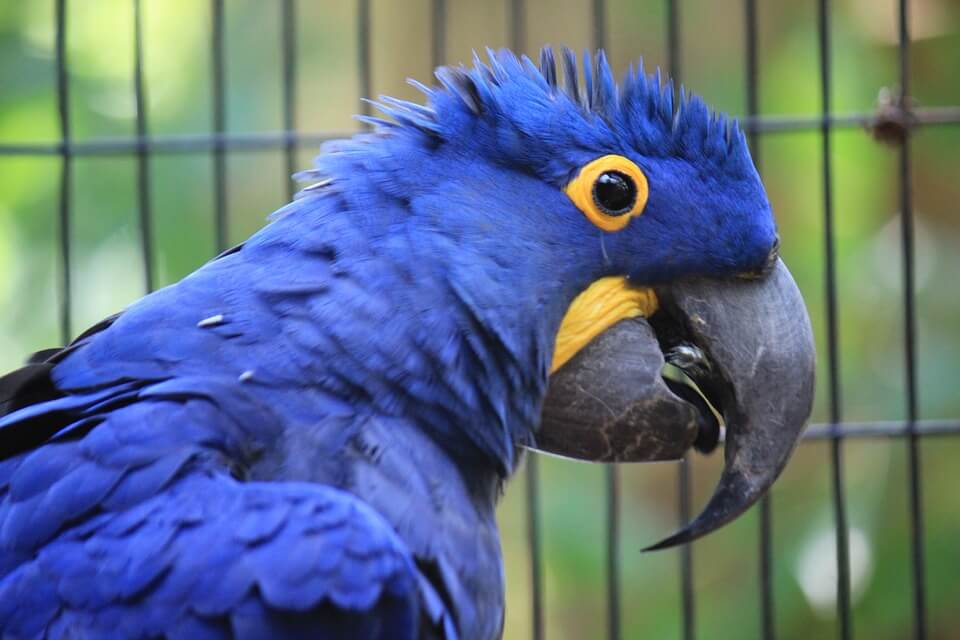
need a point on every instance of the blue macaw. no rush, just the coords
(307, 436)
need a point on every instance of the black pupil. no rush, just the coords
(615, 193)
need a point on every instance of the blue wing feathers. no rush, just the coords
(140, 530)
(145, 481)
(223, 563)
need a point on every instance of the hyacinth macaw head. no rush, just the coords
(632, 228)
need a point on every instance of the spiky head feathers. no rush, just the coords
(541, 115)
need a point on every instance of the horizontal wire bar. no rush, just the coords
(926, 116)
(273, 140)
(177, 143)
(882, 429)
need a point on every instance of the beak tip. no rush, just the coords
(735, 493)
(680, 537)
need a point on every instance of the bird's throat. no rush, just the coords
(597, 308)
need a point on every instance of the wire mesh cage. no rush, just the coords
(275, 80)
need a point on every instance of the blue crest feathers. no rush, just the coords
(642, 113)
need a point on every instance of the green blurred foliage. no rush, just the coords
(108, 273)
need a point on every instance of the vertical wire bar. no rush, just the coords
(909, 342)
(688, 608)
(288, 28)
(765, 551)
(517, 34)
(219, 124)
(833, 364)
(363, 55)
(768, 624)
(599, 11)
(66, 169)
(613, 552)
(611, 476)
(438, 33)
(533, 540)
(516, 25)
(673, 40)
(144, 209)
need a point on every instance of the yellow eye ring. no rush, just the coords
(609, 191)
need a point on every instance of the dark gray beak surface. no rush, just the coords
(748, 347)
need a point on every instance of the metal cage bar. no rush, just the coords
(144, 208)
(909, 341)
(687, 597)
(272, 141)
(66, 170)
(612, 479)
(764, 513)
(833, 364)
(611, 476)
(219, 122)
(288, 28)
(516, 33)
(533, 542)
(364, 74)
(883, 429)
(438, 32)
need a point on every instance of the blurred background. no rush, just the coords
(108, 271)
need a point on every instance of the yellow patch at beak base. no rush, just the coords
(598, 307)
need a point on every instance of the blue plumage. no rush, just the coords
(307, 436)
(220, 546)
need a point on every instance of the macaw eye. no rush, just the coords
(615, 193)
(609, 191)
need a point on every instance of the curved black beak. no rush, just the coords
(748, 347)
(758, 344)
